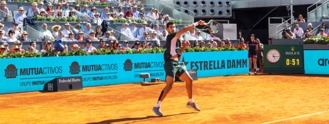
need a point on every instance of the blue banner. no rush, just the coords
(30, 74)
(316, 62)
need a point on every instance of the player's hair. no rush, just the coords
(168, 24)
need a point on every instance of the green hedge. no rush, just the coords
(317, 40)
(107, 52)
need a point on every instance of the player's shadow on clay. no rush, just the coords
(136, 118)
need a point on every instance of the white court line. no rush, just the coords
(296, 117)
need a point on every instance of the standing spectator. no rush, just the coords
(298, 31)
(252, 54)
(260, 55)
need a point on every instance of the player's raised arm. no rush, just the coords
(188, 28)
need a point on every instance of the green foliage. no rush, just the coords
(317, 40)
(81, 52)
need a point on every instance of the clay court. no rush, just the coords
(227, 100)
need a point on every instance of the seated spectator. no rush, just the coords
(308, 33)
(242, 44)
(16, 29)
(309, 27)
(48, 48)
(109, 36)
(11, 36)
(70, 38)
(104, 13)
(89, 47)
(102, 44)
(80, 37)
(134, 29)
(98, 31)
(214, 44)
(17, 47)
(322, 33)
(33, 11)
(154, 38)
(125, 46)
(142, 30)
(2, 26)
(127, 32)
(3, 38)
(3, 50)
(45, 33)
(56, 30)
(20, 16)
(4, 8)
(228, 43)
(67, 30)
(88, 29)
(24, 37)
(129, 13)
(97, 19)
(136, 13)
(137, 46)
(300, 19)
(43, 13)
(92, 36)
(75, 47)
(33, 47)
(288, 34)
(298, 31)
(115, 45)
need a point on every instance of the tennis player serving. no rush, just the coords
(174, 49)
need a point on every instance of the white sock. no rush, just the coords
(158, 104)
(190, 100)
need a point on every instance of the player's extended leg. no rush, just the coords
(169, 83)
(189, 88)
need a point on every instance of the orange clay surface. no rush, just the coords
(223, 100)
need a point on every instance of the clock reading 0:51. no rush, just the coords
(292, 62)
